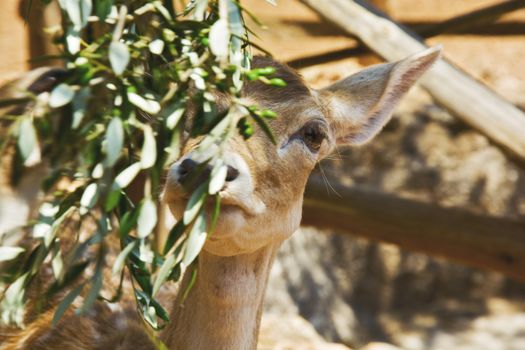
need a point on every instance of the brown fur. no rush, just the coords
(262, 208)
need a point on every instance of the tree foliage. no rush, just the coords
(135, 68)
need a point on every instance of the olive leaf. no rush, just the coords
(148, 155)
(9, 253)
(147, 218)
(196, 239)
(27, 140)
(61, 95)
(115, 141)
(118, 57)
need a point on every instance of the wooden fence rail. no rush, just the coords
(456, 234)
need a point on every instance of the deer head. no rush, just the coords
(262, 198)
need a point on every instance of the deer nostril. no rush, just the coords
(232, 173)
(186, 169)
(187, 166)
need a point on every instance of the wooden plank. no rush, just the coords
(456, 234)
(464, 96)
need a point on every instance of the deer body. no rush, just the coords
(261, 207)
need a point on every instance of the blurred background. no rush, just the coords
(333, 287)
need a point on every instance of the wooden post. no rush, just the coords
(456, 234)
(452, 88)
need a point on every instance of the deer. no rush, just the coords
(261, 207)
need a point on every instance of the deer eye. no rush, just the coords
(313, 135)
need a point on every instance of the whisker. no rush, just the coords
(327, 183)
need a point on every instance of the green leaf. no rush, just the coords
(27, 140)
(121, 258)
(127, 175)
(164, 273)
(194, 204)
(264, 126)
(12, 303)
(128, 221)
(175, 233)
(115, 141)
(118, 57)
(217, 177)
(112, 199)
(57, 263)
(173, 118)
(73, 40)
(196, 239)
(9, 253)
(79, 106)
(220, 38)
(78, 11)
(156, 46)
(269, 114)
(89, 198)
(66, 303)
(148, 155)
(147, 218)
(103, 8)
(61, 95)
(96, 286)
(215, 214)
(147, 105)
(277, 82)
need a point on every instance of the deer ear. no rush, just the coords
(360, 105)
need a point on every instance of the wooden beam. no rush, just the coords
(464, 96)
(486, 242)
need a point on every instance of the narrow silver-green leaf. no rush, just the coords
(89, 198)
(156, 46)
(66, 303)
(127, 175)
(218, 177)
(57, 264)
(9, 253)
(194, 204)
(148, 155)
(121, 258)
(147, 218)
(61, 95)
(115, 141)
(118, 57)
(147, 105)
(220, 38)
(173, 119)
(73, 40)
(164, 272)
(78, 11)
(79, 106)
(96, 286)
(27, 140)
(196, 239)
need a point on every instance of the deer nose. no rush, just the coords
(193, 174)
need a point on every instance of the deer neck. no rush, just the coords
(224, 307)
